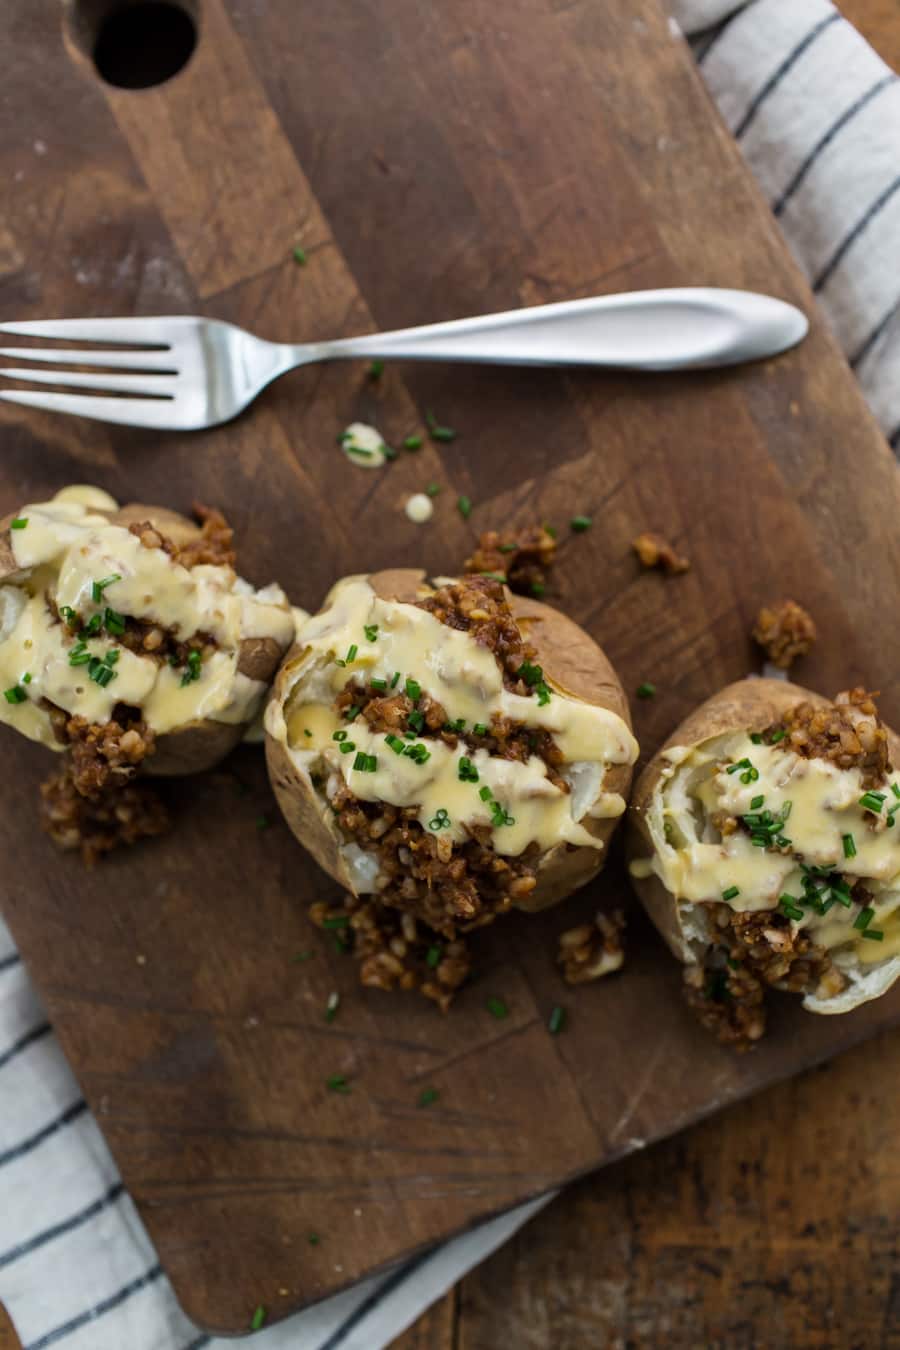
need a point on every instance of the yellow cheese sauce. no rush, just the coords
(822, 819)
(359, 636)
(66, 547)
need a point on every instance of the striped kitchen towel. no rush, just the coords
(818, 117)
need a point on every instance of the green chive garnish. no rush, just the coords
(299, 256)
(580, 523)
(756, 802)
(428, 1096)
(352, 712)
(756, 738)
(19, 523)
(313, 1239)
(864, 917)
(376, 370)
(412, 443)
(464, 506)
(556, 1021)
(874, 935)
(365, 763)
(337, 1083)
(98, 587)
(337, 921)
(479, 729)
(395, 743)
(538, 589)
(15, 695)
(778, 735)
(790, 907)
(731, 893)
(466, 770)
(485, 793)
(380, 685)
(433, 957)
(395, 680)
(497, 1008)
(646, 690)
(432, 489)
(339, 735)
(371, 631)
(437, 432)
(26, 679)
(258, 1318)
(413, 689)
(347, 747)
(849, 846)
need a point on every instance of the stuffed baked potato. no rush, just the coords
(454, 750)
(126, 631)
(764, 847)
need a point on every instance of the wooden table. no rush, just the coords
(772, 1225)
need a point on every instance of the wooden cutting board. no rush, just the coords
(433, 162)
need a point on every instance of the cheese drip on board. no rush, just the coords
(824, 828)
(359, 637)
(68, 556)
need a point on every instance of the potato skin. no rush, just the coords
(747, 705)
(572, 662)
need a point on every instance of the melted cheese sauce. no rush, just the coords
(467, 681)
(66, 547)
(697, 865)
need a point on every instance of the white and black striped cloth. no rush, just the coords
(818, 117)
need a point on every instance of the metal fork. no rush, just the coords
(196, 372)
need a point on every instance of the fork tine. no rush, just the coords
(88, 357)
(130, 412)
(151, 330)
(161, 385)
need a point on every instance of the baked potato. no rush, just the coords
(762, 843)
(453, 749)
(132, 617)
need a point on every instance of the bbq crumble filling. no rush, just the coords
(453, 887)
(91, 804)
(755, 950)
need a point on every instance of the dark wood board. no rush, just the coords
(433, 162)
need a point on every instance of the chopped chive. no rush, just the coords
(417, 721)
(538, 589)
(464, 506)
(479, 729)
(395, 680)
(347, 747)
(778, 735)
(92, 627)
(466, 770)
(98, 587)
(365, 763)
(557, 1020)
(849, 846)
(646, 690)
(440, 820)
(485, 793)
(580, 523)
(872, 801)
(786, 810)
(731, 893)
(371, 631)
(551, 530)
(864, 917)
(395, 743)
(789, 906)
(299, 256)
(442, 433)
(895, 788)
(543, 694)
(69, 616)
(380, 685)
(417, 752)
(433, 957)
(351, 653)
(258, 1318)
(432, 489)
(413, 443)
(339, 735)
(331, 1007)
(497, 1008)
(26, 679)
(336, 921)
(494, 576)
(376, 370)
(192, 672)
(388, 451)
(313, 1239)
(337, 1083)
(15, 695)
(874, 935)
(352, 712)
(756, 738)
(428, 1096)
(413, 689)
(114, 622)
(756, 802)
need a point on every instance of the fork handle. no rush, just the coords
(677, 329)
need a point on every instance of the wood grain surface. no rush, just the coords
(431, 164)
(756, 1241)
